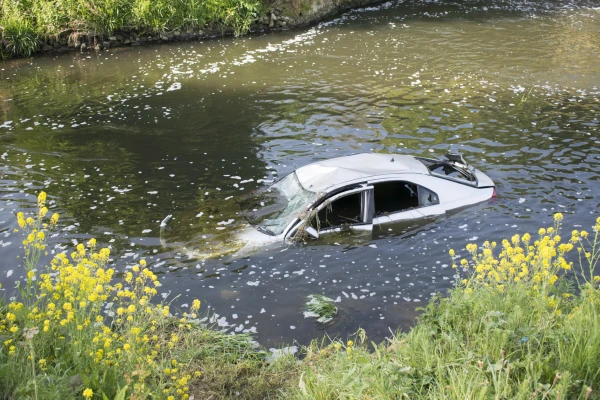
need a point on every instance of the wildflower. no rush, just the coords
(14, 329)
(126, 347)
(451, 252)
(558, 217)
(143, 263)
(88, 393)
(195, 304)
(41, 198)
(350, 343)
(30, 333)
(54, 219)
(43, 211)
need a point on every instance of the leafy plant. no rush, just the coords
(19, 37)
(320, 307)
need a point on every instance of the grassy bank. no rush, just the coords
(25, 24)
(521, 325)
(80, 329)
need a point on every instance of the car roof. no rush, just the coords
(323, 175)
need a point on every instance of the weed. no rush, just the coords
(320, 307)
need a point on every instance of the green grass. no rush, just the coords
(24, 24)
(533, 335)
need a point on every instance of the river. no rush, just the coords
(123, 138)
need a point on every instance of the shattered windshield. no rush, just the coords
(272, 209)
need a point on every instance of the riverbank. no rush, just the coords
(520, 325)
(38, 26)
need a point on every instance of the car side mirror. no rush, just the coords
(312, 232)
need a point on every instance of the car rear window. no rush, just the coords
(447, 169)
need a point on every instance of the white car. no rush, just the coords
(359, 191)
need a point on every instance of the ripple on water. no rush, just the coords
(121, 140)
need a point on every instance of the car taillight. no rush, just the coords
(494, 194)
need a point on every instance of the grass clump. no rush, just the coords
(25, 24)
(78, 328)
(320, 307)
(517, 327)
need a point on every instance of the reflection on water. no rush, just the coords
(122, 139)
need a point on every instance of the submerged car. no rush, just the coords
(359, 191)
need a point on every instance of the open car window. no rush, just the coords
(398, 196)
(346, 210)
(394, 196)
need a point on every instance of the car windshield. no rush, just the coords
(272, 209)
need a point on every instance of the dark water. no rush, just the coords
(121, 139)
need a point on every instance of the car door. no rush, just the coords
(400, 200)
(350, 210)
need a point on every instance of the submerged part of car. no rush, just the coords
(356, 192)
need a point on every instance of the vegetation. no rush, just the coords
(522, 325)
(24, 23)
(75, 331)
(320, 307)
(516, 328)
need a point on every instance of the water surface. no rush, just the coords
(123, 138)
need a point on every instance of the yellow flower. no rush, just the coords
(54, 219)
(88, 393)
(350, 343)
(14, 329)
(41, 198)
(143, 263)
(451, 252)
(126, 347)
(195, 304)
(558, 217)
(43, 211)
